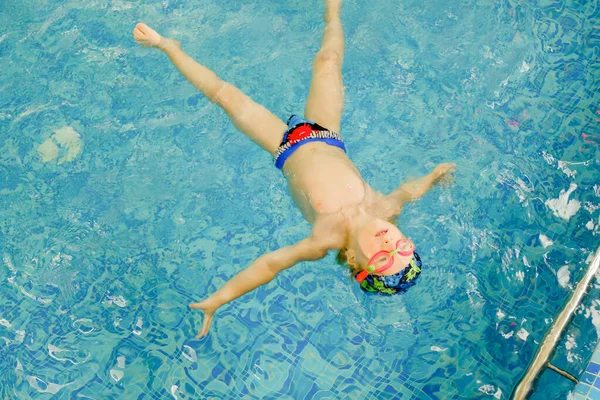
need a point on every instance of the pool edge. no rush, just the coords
(546, 349)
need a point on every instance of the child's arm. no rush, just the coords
(414, 189)
(261, 271)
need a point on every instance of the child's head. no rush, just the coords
(375, 245)
(367, 237)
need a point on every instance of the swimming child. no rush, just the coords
(346, 214)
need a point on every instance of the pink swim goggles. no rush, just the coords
(383, 260)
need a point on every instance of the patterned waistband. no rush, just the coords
(313, 135)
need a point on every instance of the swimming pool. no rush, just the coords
(119, 205)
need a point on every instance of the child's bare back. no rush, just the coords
(345, 212)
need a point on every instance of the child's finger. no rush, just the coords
(197, 305)
(201, 333)
(205, 326)
(450, 167)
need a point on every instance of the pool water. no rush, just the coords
(125, 195)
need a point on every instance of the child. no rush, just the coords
(345, 212)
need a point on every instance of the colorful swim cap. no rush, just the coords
(392, 284)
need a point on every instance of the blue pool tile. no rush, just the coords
(593, 368)
(594, 394)
(582, 388)
(596, 357)
(579, 397)
(588, 378)
(597, 383)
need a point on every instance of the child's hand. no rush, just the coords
(209, 306)
(442, 172)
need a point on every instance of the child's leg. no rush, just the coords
(258, 123)
(326, 95)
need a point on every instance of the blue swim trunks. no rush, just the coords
(301, 131)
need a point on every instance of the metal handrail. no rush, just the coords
(545, 351)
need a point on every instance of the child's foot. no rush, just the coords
(332, 9)
(148, 37)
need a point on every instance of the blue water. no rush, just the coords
(125, 195)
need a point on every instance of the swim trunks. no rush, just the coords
(301, 131)
(392, 284)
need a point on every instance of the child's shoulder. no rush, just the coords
(330, 230)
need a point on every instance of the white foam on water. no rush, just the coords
(572, 357)
(564, 276)
(34, 110)
(121, 5)
(63, 138)
(138, 327)
(9, 264)
(438, 349)
(570, 342)
(591, 207)
(26, 293)
(69, 138)
(562, 207)
(116, 300)
(508, 335)
(48, 387)
(520, 275)
(522, 334)
(116, 375)
(82, 321)
(488, 389)
(570, 345)
(189, 353)
(590, 225)
(545, 241)
(564, 168)
(53, 350)
(548, 157)
(48, 151)
(521, 189)
(595, 228)
(594, 313)
(18, 339)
